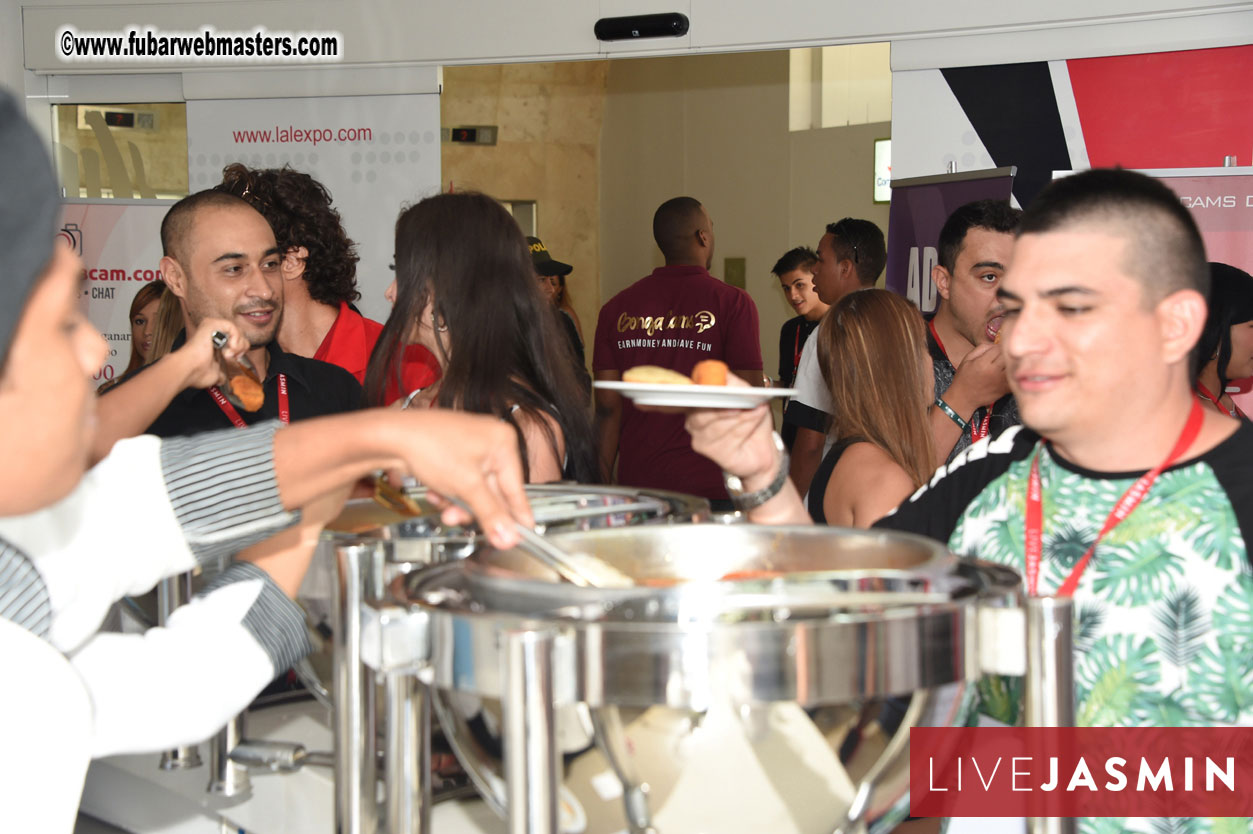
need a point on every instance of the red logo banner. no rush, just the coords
(1081, 772)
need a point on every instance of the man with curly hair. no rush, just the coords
(319, 271)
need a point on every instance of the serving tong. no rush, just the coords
(577, 569)
(243, 363)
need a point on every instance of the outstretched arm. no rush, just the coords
(128, 409)
(469, 457)
(193, 501)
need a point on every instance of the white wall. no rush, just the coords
(475, 31)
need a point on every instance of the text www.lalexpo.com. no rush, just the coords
(207, 44)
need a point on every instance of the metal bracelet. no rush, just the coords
(408, 401)
(744, 501)
(952, 415)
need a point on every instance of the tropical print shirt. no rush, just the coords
(1164, 610)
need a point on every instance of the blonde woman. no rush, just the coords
(872, 349)
(873, 353)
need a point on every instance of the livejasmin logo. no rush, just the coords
(1081, 776)
(1081, 772)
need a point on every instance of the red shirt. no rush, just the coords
(350, 341)
(674, 318)
(420, 369)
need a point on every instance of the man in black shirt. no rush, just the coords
(795, 271)
(222, 262)
(310, 387)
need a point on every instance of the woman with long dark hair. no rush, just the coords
(465, 288)
(1226, 344)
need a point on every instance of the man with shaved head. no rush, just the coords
(674, 318)
(223, 264)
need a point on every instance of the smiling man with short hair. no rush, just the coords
(1104, 302)
(222, 262)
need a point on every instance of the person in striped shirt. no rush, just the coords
(73, 540)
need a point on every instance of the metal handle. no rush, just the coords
(172, 592)
(360, 578)
(558, 515)
(226, 777)
(1050, 684)
(219, 340)
(530, 733)
(284, 756)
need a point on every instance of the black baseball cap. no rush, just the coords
(544, 262)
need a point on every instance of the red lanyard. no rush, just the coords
(1129, 501)
(980, 431)
(1204, 392)
(284, 407)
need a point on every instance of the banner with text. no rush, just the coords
(1221, 202)
(373, 153)
(920, 206)
(120, 244)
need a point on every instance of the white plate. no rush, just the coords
(694, 396)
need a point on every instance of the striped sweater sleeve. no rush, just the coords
(24, 597)
(223, 489)
(274, 620)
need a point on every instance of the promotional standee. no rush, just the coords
(374, 154)
(920, 205)
(120, 244)
(1221, 202)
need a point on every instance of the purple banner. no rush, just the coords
(919, 208)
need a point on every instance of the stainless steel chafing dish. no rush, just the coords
(339, 581)
(409, 543)
(753, 679)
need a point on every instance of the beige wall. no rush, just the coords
(548, 150)
(832, 174)
(716, 128)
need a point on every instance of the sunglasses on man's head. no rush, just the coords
(842, 233)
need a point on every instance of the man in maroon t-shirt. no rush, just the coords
(675, 317)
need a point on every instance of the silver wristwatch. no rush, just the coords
(744, 501)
